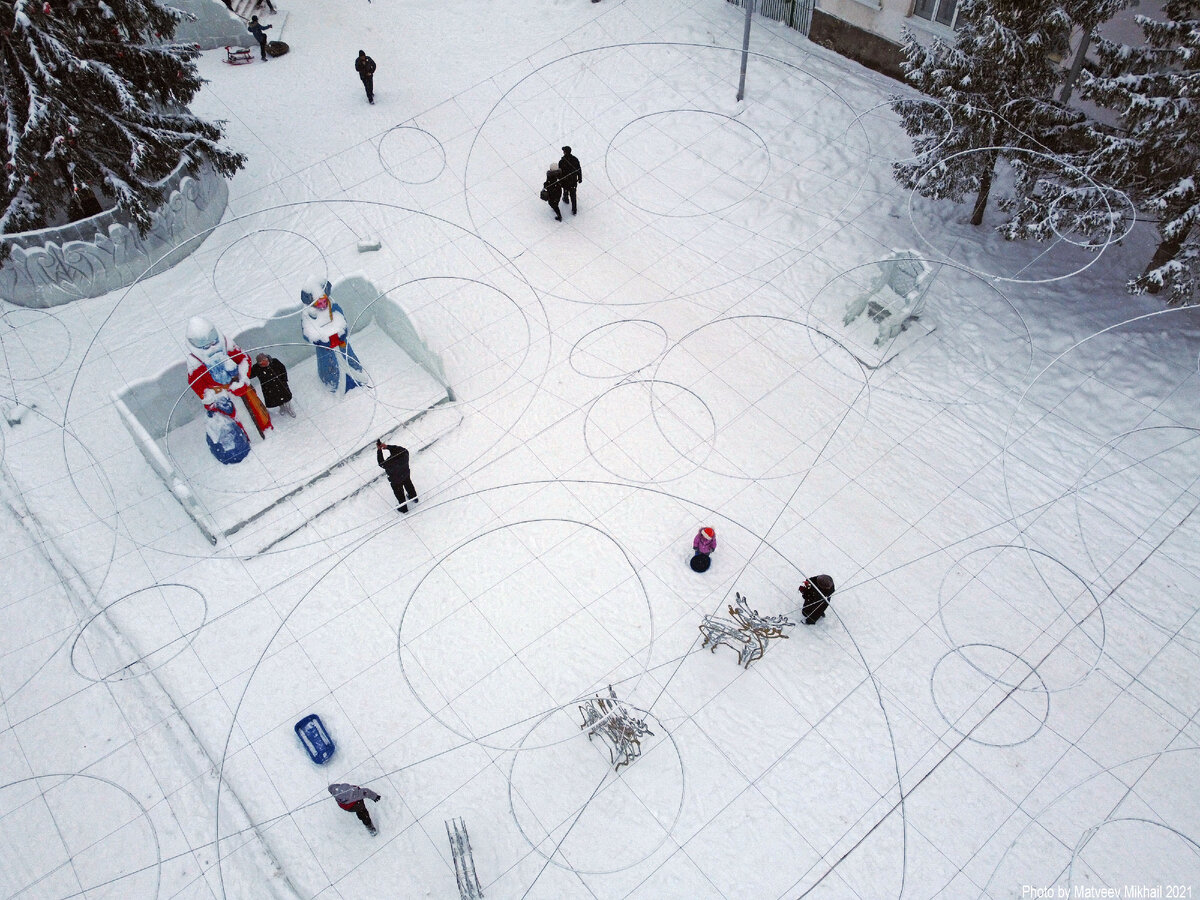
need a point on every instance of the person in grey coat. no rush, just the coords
(351, 798)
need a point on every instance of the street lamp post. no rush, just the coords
(749, 4)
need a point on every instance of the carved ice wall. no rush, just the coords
(104, 253)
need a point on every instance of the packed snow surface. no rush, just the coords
(1001, 700)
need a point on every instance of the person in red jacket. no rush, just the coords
(351, 797)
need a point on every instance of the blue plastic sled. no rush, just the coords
(316, 740)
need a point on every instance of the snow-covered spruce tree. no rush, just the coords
(93, 97)
(996, 81)
(1155, 153)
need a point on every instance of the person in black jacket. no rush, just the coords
(272, 378)
(572, 177)
(815, 592)
(365, 67)
(259, 30)
(396, 467)
(552, 191)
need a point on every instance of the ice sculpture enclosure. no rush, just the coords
(298, 457)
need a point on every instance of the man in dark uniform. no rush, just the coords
(396, 467)
(365, 67)
(572, 177)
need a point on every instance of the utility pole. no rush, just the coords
(749, 4)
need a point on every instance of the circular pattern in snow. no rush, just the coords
(618, 348)
(623, 102)
(969, 344)
(171, 614)
(412, 155)
(974, 701)
(581, 815)
(34, 344)
(260, 274)
(482, 635)
(1136, 492)
(71, 835)
(1104, 833)
(649, 431)
(1122, 850)
(945, 228)
(686, 162)
(753, 373)
(481, 334)
(1029, 604)
(1129, 486)
(885, 131)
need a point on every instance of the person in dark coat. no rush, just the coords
(351, 797)
(272, 378)
(572, 177)
(365, 67)
(396, 467)
(259, 30)
(552, 191)
(815, 592)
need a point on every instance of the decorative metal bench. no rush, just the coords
(895, 296)
(747, 632)
(621, 731)
(464, 860)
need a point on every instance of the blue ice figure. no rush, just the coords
(325, 328)
(226, 437)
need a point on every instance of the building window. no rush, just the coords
(944, 12)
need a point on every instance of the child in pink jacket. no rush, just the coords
(704, 544)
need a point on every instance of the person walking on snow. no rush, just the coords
(552, 191)
(815, 592)
(572, 177)
(272, 377)
(399, 477)
(350, 797)
(259, 30)
(365, 67)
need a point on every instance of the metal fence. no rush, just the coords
(793, 13)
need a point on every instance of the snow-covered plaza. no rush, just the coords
(1001, 701)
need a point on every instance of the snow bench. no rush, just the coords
(895, 296)
(746, 631)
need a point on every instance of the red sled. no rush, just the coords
(236, 56)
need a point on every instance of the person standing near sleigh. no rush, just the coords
(259, 30)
